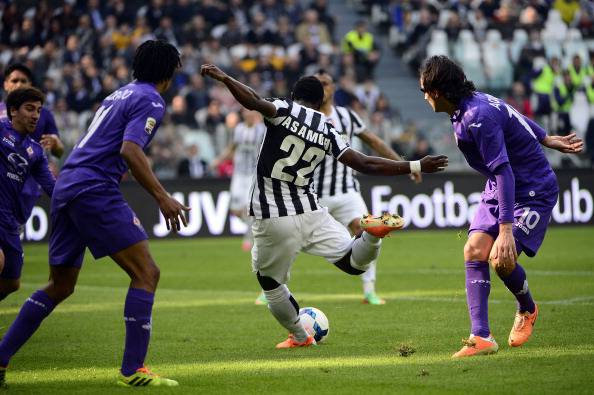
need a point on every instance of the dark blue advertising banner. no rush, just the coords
(446, 200)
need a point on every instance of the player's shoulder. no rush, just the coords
(280, 102)
(481, 108)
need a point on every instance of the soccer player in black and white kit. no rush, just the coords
(288, 218)
(336, 187)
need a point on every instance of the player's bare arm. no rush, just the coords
(570, 144)
(383, 150)
(53, 143)
(245, 95)
(374, 165)
(138, 163)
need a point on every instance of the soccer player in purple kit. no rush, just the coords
(46, 133)
(88, 210)
(21, 159)
(516, 204)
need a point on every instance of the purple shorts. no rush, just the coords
(531, 219)
(10, 244)
(99, 219)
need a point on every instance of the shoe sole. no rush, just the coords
(477, 354)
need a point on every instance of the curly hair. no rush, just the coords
(441, 74)
(155, 61)
(309, 89)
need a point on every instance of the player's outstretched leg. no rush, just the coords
(515, 280)
(285, 309)
(144, 275)
(37, 306)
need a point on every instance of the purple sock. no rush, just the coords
(478, 287)
(137, 315)
(517, 283)
(34, 310)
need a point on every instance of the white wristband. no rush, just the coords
(415, 166)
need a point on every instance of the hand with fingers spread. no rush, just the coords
(570, 144)
(433, 164)
(173, 211)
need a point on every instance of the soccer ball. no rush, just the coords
(315, 323)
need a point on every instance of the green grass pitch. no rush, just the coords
(209, 335)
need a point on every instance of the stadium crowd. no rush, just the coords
(539, 54)
(81, 50)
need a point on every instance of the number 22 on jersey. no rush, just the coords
(295, 147)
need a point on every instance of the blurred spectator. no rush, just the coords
(362, 44)
(567, 9)
(321, 7)
(422, 149)
(259, 32)
(232, 34)
(563, 92)
(192, 166)
(518, 99)
(577, 72)
(311, 30)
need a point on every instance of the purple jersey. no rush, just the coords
(20, 159)
(132, 113)
(490, 132)
(45, 125)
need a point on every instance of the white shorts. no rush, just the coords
(345, 207)
(277, 241)
(240, 191)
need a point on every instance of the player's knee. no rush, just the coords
(474, 252)
(61, 291)
(502, 270)
(151, 275)
(267, 283)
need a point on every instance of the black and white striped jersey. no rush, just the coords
(247, 141)
(332, 177)
(297, 140)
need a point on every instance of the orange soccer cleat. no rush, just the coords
(292, 343)
(382, 225)
(522, 329)
(476, 345)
